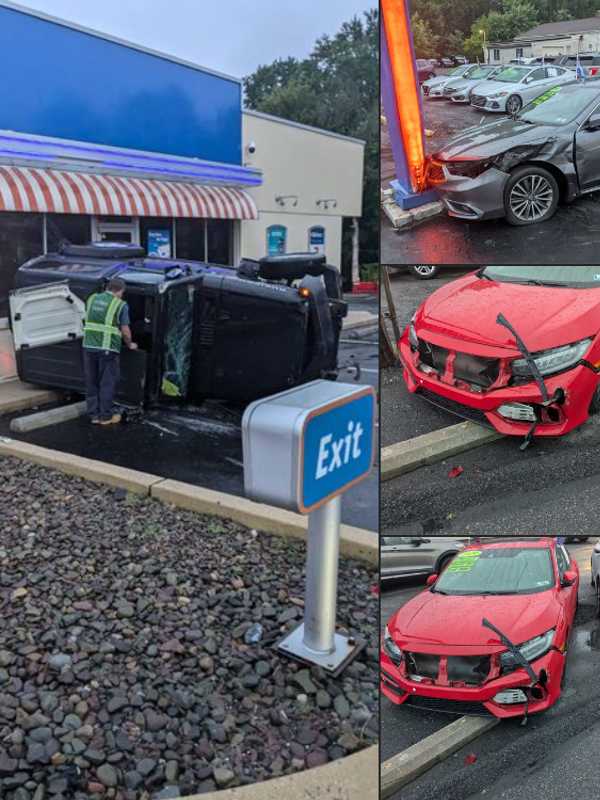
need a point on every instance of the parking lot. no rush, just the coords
(443, 240)
(203, 446)
(542, 758)
(552, 488)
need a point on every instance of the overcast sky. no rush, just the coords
(231, 36)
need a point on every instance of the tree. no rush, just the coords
(425, 42)
(335, 88)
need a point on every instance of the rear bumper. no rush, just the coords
(578, 384)
(399, 688)
(474, 198)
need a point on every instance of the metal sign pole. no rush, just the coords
(321, 576)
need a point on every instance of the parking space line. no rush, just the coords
(405, 767)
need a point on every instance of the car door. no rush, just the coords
(533, 84)
(47, 327)
(409, 555)
(587, 151)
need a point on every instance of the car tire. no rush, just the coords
(424, 272)
(513, 104)
(522, 180)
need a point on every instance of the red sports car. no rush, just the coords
(491, 632)
(516, 348)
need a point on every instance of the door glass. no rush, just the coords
(178, 341)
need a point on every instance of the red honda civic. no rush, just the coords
(491, 632)
(515, 348)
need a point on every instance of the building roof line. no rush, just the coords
(262, 115)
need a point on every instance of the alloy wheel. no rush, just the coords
(531, 197)
(513, 104)
(425, 271)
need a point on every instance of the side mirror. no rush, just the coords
(593, 123)
(432, 579)
(568, 579)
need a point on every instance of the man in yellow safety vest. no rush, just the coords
(106, 329)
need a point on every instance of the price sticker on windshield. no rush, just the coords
(464, 562)
(546, 96)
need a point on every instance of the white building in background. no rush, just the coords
(312, 179)
(550, 40)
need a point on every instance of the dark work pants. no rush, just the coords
(101, 379)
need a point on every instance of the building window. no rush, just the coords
(67, 228)
(21, 238)
(519, 52)
(496, 54)
(316, 239)
(190, 239)
(276, 239)
(219, 235)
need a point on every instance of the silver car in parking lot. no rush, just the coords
(413, 556)
(513, 87)
(459, 89)
(434, 87)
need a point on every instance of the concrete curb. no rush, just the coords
(132, 481)
(398, 459)
(52, 416)
(354, 542)
(399, 218)
(17, 396)
(353, 776)
(405, 767)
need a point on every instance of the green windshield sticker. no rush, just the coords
(546, 96)
(464, 562)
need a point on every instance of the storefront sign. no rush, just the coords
(276, 240)
(159, 243)
(316, 239)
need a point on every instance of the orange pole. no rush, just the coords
(396, 22)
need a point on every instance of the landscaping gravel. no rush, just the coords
(129, 666)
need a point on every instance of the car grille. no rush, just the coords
(425, 89)
(472, 670)
(448, 91)
(452, 407)
(477, 100)
(461, 708)
(474, 370)
(423, 665)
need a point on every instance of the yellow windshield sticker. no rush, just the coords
(546, 96)
(464, 562)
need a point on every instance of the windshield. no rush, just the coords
(480, 72)
(574, 277)
(558, 105)
(511, 74)
(457, 70)
(503, 570)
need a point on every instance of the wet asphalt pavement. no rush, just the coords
(570, 236)
(545, 755)
(204, 447)
(552, 488)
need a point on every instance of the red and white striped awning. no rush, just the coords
(62, 192)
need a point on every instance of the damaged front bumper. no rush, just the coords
(477, 198)
(510, 409)
(503, 696)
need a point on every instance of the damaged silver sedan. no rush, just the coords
(521, 168)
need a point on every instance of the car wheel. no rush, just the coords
(513, 104)
(425, 272)
(530, 196)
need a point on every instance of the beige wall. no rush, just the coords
(306, 163)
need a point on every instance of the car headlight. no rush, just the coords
(391, 648)
(412, 334)
(551, 361)
(468, 169)
(531, 650)
(498, 94)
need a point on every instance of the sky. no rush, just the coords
(230, 36)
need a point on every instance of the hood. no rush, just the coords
(439, 80)
(495, 138)
(489, 87)
(544, 316)
(430, 620)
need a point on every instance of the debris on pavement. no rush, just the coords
(455, 472)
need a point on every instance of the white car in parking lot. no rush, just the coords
(434, 87)
(459, 89)
(517, 85)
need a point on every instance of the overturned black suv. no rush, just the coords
(203, 331)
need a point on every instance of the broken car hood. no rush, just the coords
(432, 622)
(494, 139)
(544, 316)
